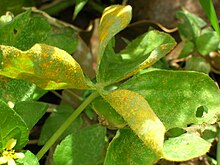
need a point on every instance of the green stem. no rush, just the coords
(66, 124)
(218, 146)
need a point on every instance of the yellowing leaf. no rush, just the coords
(48, 67)
(140, 117)
(114, 19)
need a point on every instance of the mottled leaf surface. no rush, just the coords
(113, 20)
(29, 28)
(12, 126)
(127, 148)
(185, 147)
(190, 25)
(138, 114)
(207, 42)
(48, 67)
(18, 90)
(86, 147)
(175, 96)
(142, 52)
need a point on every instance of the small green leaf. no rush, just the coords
(107, 115)
(85, 147)
(190, 25)
(53, 122)
(12, 126)
(113, 20)
(36, 109)
(140, 117)
(78, 7)
(29, 159)
(207, 42)
(198, 64)
(175, 96)
(127, 148)
(185, 147)
(48, 67)
(142, 52)
(188, 48)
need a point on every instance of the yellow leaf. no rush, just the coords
(140, 117)
(114, 19)
(47, 66)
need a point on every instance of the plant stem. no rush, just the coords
(218, 146)
(66, 124)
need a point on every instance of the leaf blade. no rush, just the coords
(46, 66)
(140, 117)
(114, 19)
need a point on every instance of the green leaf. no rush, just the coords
(185, 147)
(175, 96)
(140, 117)
(198, 64)
(190, 25)
(209, 9)
(127, 148)
(37, 27)
(18, 90)
(107, 115)
(24, 31)
(207, 42)
(36, 109)
(78, 7)
(142, 52)
(188, 48)
(48, 67)
(85, 147)
(29, 159)
(114, 19)
(53, 122)
(12, 126)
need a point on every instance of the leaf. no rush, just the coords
(142, 52)
(207, 42)
(48, 67)
(12, 126)
(78, 7)
(138, 114)
(53, 122)
(85, 147)
(36, 109)
(108, 116)
(209, 9)
(175, 96)
(185, 147)
(127, 148)
(29, 158)
(198, 64)
(113, 20)
(18, 90)
(190, 25)
(37, 27)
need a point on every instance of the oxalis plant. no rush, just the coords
(158, 114)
